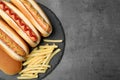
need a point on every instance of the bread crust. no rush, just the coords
(8, 65)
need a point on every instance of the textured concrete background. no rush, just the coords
(92, 29)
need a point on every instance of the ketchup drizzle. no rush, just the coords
(4, 7)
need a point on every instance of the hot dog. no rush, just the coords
(35, 14)
(8, 65)
(19, 23)
(12, 43)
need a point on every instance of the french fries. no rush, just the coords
(38, 60)
(56, 41)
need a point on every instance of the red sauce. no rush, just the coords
(19, 21)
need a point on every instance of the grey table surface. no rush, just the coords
(92, 29)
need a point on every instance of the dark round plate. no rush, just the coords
(58, 33)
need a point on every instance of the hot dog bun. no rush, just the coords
(19, 23)
(8, 65)
(35, 14)
(12, 43)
